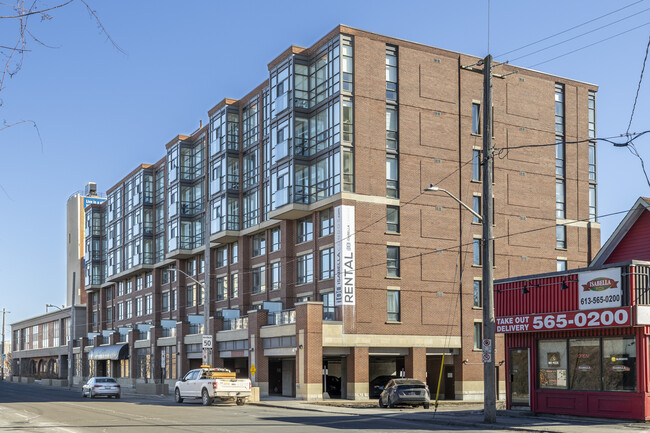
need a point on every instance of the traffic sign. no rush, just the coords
(253, 369)
(205, 356)
(207, 341)
(487, 350)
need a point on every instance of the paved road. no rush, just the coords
(33, 408)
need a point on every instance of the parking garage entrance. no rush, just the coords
(334, 377)
(382, 369)
(282, 376)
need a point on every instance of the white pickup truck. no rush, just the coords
(210, 383)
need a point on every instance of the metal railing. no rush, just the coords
(282, 317)
(233, 324)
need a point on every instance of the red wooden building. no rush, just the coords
(577, 341)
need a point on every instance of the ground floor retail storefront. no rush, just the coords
(577, 343)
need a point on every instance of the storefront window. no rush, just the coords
(619, 364)
(552, 364)
(594, 364)
(584, 363)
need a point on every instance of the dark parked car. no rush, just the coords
(410, 392)
(96, 386)
(378, 383)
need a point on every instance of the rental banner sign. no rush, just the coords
(344, 256)
(599, 289)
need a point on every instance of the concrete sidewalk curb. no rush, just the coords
(451, 418)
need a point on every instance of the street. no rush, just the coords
(32, 408)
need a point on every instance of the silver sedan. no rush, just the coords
(101, 386)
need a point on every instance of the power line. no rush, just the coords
(569, 29)
(636, 97)
(578, 36)
(590, 45)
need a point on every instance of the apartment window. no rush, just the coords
(305, 264)
(329, 310)
(148, 279)
(559, 157)
(326, 263)
(128, 305)
(476, 118)
(476, 165)
(173, 299)
(222, 257)
(476, 250)
(222, 288)
(201, 260)
(559, 108)
(120, 288)
(259, 244)
(348, 121)
(305, 230)
(559, 199)
(276, 275)
(391, 128)
(478, 293)
(129, 287)
(560, 236)
(392, 261)
(392, 219)
(148, 304)
(138, 283)
(392, 179)
(561, 265)
(476, 207)
(120, 311)
(391, 73)
(234, 253)
(276, 239)
(478, 335)
(234, 285)
(592, 203)
(164, 276)
(138, 306)
(191, 267)
(259, 279)
(165, 302)
(190, 296)
(592, 162)
(347, 64)
(392, 305)
(326, 222)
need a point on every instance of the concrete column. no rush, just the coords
(183, 364)
(309, 358)
(154, 334)
(416, 363)
(358, 373)
(257, 319)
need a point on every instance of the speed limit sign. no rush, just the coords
(207, 342)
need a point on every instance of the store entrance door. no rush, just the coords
(519, 377)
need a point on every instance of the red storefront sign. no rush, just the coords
(609, 317)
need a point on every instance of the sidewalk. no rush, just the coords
(464, 414)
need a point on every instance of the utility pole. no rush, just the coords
(2, 357)
(71, 336)
(489, 396)
(206, 273)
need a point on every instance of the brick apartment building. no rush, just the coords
(328, 262)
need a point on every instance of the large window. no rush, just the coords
(276, 239)
(392, 305)
(392, 261)
(478, 293)
(476, 118)
(476, 165)
(588, 364)
(276, 275)
(305, 268)
(326, 263)
(305, 230)
(259, 279)
(326, 222)
(222, 288)
(259, 244)
(477, 252)
(478, 335)
(392, 219)
(234, 285)
(392, 176)
(560, 236)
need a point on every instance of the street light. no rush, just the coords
(52, 306)
(437, 188)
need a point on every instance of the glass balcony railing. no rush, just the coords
(233, 324)
(282, 317)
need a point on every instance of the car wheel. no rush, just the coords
(390, 403)
(177, 396)
(240, 402)
(426, 405)
(205, 398)
(381, 403)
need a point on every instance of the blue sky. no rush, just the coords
(100, 113)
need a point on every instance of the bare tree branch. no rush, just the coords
(101, 27)
(33, 12)
(38, 132)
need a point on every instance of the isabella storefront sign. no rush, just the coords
(600, 289)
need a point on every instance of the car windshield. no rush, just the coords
(105, 380)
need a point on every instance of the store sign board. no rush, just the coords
(600, 289)
(605, 318)
(344, 256)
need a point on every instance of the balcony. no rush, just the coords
(191, 208)
(280, 104)
(286, 317)
(168, 332)
(235, 324)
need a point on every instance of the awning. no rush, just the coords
(112, 352)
